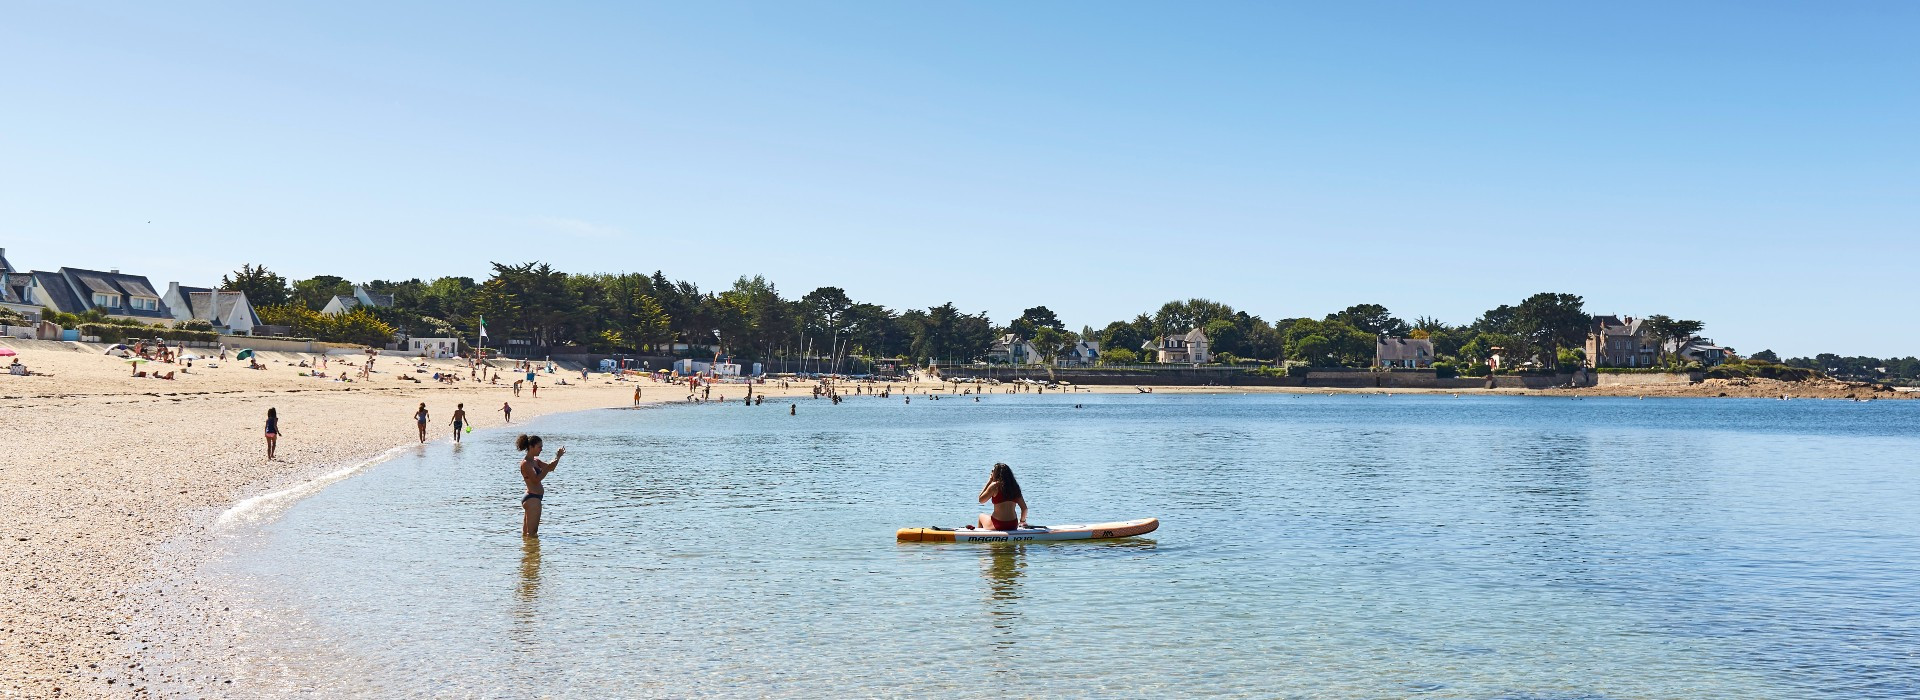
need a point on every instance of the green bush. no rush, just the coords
(1445, 370)
(121, 332)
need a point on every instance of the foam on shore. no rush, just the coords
(254, 509)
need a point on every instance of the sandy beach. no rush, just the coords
(106, 470)
(110, 475)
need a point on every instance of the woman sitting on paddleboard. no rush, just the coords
(534, 471)
(1004, 491)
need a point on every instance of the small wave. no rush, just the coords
(253, 510)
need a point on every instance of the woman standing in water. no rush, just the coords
(533, 471)
(1004, 491)
(420, 418)
(273, 432)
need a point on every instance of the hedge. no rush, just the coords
(115, 333)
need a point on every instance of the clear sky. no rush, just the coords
(1754, 165)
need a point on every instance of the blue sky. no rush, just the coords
(1753, 165)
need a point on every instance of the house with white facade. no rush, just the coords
(74, 290)
(341, 304)
(228, 311)
(1085, 353)
(17, 290)
(1011, 349)
(1189, 348)
(1409, 353)
(432, 347)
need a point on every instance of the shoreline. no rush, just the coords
(120, 485)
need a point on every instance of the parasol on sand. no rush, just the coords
(7, 352)
(244, 354)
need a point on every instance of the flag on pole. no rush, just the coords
(483, 326)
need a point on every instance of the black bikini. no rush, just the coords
(533, 496)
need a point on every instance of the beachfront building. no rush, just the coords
(341, 304)
(1189, 348)
(17, 291)
(1405, 353)
(1085, 353)
(442, 348)
(1620, 341)
(228, 311)
(1701, 350)
(73, 290)
(1011, 349)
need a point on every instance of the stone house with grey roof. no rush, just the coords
(1620, 341)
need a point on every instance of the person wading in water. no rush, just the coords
(534, 472)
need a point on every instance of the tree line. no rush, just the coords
(753, 320)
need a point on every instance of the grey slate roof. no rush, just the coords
(58, 296)
(1388, 348)
(346, 302)
(218, 307)
(95, 281)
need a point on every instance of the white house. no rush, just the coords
(229, 311)
(17, 290)
(1082, 354)
(1190, 348)
(74, 290)
(1389, 351)
(1011, 349)
(341, 304)
(433, 347)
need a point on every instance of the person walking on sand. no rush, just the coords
(507, 409)
(534, 472)
(420, 419)
(459, 420)
(636, 396)
(273, 432)
(536, 390)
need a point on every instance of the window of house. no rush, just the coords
(146, 303)
(111, 301)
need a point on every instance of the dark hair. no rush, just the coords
(526, 441)
(1009, 486)
(271, 414)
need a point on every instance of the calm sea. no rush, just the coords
(1310, 546)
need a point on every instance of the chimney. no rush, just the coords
(114, 270)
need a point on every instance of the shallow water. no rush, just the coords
(1310, 546)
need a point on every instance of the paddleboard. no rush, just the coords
(1047, 533)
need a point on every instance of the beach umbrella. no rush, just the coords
(244, 354)
(7, 352)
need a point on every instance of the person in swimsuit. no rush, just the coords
(273, 432)
(533, 471)
(1004, 491)
(420, 418)
(507, 409)
(459, 420)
